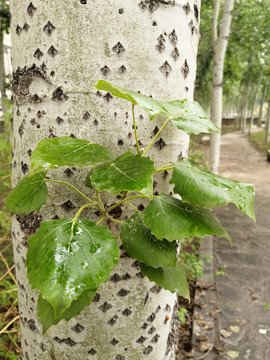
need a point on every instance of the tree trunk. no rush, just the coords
(245, 106)
(60, 49)
(2, 72)
(255, 98)
(262, 104)
(219, 46)
(267, 125)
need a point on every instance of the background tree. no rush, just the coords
(219, 46)
(59, 50)
(4, 27)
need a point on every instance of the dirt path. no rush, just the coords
(240, 161)
(231, 321)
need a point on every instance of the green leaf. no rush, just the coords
(129, 172)
(143, 246)
(46, 313)
(190, 117)
(170, 278)
(185, 114)
(207, 189)
(29, 194)
(65, 259)
(67, 151)
(173, 219)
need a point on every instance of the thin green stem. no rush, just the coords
(125, 193)
(164, 168)
(117, 221)
(135, 130)
(100, 221)
(99, 200)
(154, 138)
(134, 207)
(80, 211)
(125, 200)
(110, 219)
(72, 187)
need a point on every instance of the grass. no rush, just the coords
(257, 139)
(9, 318)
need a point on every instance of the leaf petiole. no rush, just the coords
(71, 186)
(164, 168)
(154, 138)
(135, 129)
(100, 220)
(81, 209)
(125, 200)
(99, 201)
(134, 208)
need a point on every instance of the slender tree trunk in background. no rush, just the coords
(267, 127)
(255, 98)
(2, 71)
(245, 106)
(262, 104)
(239, 107)
(219, 46)
(60, 48)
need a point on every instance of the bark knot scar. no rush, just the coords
(29, 223)
(23, 78)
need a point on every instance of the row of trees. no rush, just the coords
(246, 68)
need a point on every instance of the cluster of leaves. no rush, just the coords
(68, 259)
(5, 15)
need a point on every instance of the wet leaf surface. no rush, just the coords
(65, 259)
(143, 246)
(204, 188)
(29, 194)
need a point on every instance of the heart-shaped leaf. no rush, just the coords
(170, 278)
(173, 219)
(185, 114)
(29, 194)
(207, 189)
(143, 246)
(46, 313)
(129, 172)
(65, 259)
(67, 151)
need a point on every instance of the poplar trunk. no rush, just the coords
(255, 99)
(61, 48)
(219, 46)
(262, 104)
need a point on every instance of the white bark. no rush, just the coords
(2, 71)
(141, 46)
(255, 99)
(267, 127)
(262, 104)
(217, 83)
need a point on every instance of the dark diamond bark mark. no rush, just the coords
(166, 68)
(49, 28)
(52, 51)
(118, 48)
(68, 206)
(31, 9)
(105, 307)
(185, 69)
